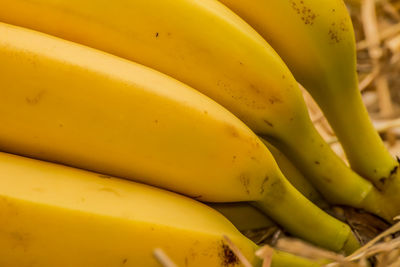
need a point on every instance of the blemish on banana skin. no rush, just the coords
(109, 190)
(232, 131)
(306, 14)
(245, 181)
(34, 100)
(262, 188)
(384, 180)
(227, 256)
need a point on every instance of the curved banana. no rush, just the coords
(68, 103)
(53, 215)
(208, 47)
(320, 51)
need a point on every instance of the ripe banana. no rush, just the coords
(316, 40)
(67, 103)
(53, 215)
(208, 47)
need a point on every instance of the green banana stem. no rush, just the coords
(243, 216)
(316, 160)
(295, 177)
(317, 226)
(325, 170)
(363, 146)
(385, 203)
(284, 259)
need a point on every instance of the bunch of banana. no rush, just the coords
(52, 215)
(210, 48)
(67, 103)
(320, 51)
(71, 104)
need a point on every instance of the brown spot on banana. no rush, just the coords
(228, 257)
(245, 181)
(34, 100)
(232, 131)
(307, 15)
(262, 189)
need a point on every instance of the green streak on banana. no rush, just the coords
(316, 40)
(283, 259)
(243, 216)
(208, 47)
(294, 176)
(68, 103)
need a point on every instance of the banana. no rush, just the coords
(208, 47)
(316, 39)
(68, 103)
(53, 215)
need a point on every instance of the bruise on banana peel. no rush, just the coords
(227, 256)
(187, 151)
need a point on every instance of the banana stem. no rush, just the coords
(295, 177)
(338, 183)
(325, 170)
(362, 144)
(283, 259)
(302, 218)
(384, 203)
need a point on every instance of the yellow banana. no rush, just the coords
(53, 215)
(316, 40)
(208, 47)
(64, 102)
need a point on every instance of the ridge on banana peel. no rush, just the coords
(53, 215)
(67, 103)
(208, 47)
(320, 51)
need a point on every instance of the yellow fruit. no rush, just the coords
(52, 215)
(81, 107)
(208, 47)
